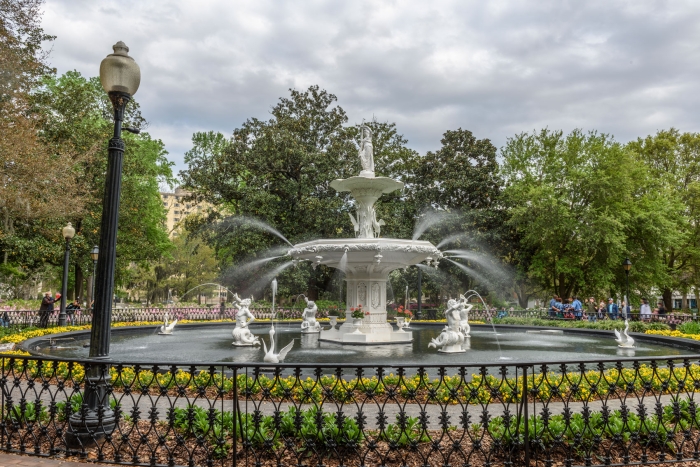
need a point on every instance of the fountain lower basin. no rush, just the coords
(212, 343)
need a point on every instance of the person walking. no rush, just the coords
(45, 309)
(591, 309)
(661, 310)
(612, 309)
(645, 310)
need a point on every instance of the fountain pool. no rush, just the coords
(198, 343)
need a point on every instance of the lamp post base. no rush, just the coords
(96, 419)
(91, 430)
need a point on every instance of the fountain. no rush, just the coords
(367, 259)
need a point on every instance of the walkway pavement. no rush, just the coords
(15, 460)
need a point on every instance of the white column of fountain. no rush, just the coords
(367, 259)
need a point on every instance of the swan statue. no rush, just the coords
(624, 340)
(270, 355)
(167, 329)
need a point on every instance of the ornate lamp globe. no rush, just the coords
(68, 231)
(627, 264)
(119, 72)
(95, 253)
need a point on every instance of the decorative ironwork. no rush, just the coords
(618, 411)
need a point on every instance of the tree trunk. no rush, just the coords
(522, 295)
(78, 282)
(561, 287)
(668, 299)
(684, 300)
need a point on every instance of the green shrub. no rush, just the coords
(603, 325)
(690, 327)
(408, 431)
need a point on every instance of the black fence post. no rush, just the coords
(526, 434)
(235, 417)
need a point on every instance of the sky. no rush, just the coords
(496, 68)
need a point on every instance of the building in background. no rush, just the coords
(178, 208)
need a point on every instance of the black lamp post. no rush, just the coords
(94, 254)
(120, 77)
(68, 233)
(627, 265)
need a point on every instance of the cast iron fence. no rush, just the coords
(27, 318)
(604, 412)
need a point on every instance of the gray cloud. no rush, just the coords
(496, 68)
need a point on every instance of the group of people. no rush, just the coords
(570, 308)
(573, 308)
(46, 308)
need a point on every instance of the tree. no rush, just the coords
(570, 200)
(672, 161)
(36, 179)
(75, 118)
(192, 263)
(458, 186)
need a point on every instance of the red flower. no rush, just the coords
(367, 313)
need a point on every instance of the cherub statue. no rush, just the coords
(241, 334)
(464, 309)
(450, 339)
(310, 325)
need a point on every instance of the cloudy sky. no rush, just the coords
(496, 68)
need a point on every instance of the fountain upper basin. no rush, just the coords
(380, 255)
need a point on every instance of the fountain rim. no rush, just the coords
(365, 244)
(677, 342)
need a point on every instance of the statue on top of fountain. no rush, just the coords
(366, 152)
(366, 224)
(310, 325)
(241, 334)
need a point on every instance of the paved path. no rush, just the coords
(15, 460)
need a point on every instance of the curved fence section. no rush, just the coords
(27, 318)
(621, 411)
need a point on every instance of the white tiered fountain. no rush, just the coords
(367, 259)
